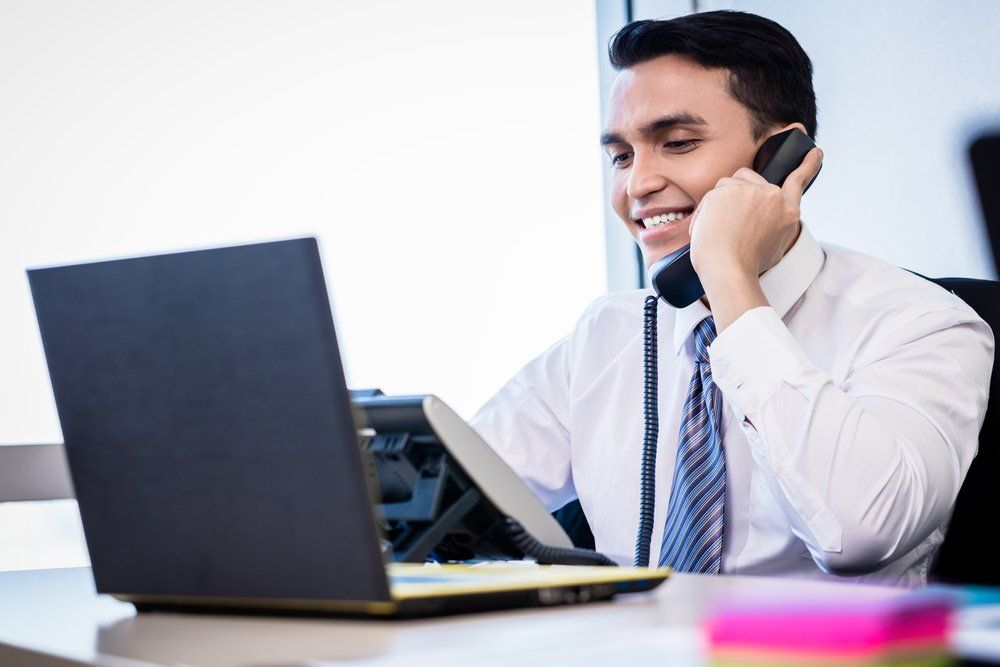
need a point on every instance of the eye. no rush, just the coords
(620, 159)
(682, 146)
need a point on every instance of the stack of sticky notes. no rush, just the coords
(904, 629)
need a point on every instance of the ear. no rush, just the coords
(791, 126)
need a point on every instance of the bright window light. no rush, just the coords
(445, 154)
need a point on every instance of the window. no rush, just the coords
(444, 153)
(41, 534)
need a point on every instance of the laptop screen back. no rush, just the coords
(207, 425)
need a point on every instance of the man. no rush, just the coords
(852, 392)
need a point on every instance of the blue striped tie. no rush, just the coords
(692, 535)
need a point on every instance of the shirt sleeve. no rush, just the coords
(866, 470)
(526, 423)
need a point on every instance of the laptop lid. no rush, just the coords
(207, 425)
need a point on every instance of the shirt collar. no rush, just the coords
(782, 285)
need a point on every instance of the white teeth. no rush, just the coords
(665, 217)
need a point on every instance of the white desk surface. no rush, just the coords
(54, 617)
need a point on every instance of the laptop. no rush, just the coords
(215, 458)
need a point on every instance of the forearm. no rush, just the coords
(863, 480)
(732, 285)
(731, 294)
(866, 470)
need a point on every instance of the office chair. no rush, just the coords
(572, 519)
(967, 555)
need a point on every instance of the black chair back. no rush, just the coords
(967, 555)
(572, 519)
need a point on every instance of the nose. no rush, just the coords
(645, 176)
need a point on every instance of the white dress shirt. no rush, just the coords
(852, 408)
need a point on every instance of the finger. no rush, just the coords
(797, 181)
(748, 175)
(694, 216)
(729, 180)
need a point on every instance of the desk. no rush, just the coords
(54, 618)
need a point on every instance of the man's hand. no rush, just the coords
(742, 228)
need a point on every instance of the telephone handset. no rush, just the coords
(673, 278)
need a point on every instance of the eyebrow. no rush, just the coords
(658, 125)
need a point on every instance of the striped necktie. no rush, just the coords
(692, 534)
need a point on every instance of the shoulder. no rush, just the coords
(607, 325)
(871, 284)
(617, 311)
(616, 303)
(886, 302)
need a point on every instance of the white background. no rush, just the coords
(444, 152)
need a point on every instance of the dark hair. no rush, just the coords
(769, 73)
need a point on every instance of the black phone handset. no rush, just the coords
(674, 280)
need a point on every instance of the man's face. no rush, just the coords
(673, 131)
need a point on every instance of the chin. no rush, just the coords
(652, 255)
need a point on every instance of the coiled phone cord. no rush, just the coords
(546, 555)
(650, 407)
(647, 493)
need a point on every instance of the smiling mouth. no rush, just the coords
(662, 219)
